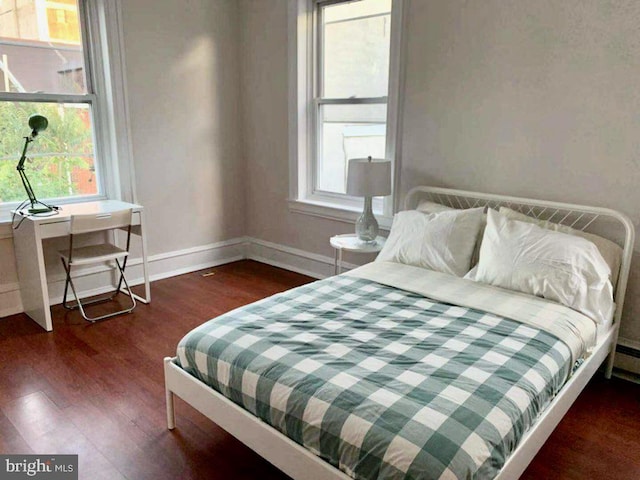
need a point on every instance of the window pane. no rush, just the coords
(41, 47)
(348, 131)
(355, 49)
(61, 159)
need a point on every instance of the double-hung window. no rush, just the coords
(45, 68)
(347, 88)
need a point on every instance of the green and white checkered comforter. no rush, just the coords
(380, 382)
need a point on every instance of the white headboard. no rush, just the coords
(605, 222)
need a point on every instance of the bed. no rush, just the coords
(391, 371)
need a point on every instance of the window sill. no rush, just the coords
(335, 212)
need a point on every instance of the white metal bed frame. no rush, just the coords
(300, 464)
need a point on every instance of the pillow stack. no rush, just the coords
(611, 252)
(554, 265)
(512, 251)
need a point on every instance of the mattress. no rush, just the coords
(385, 382)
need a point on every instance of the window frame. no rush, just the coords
(101, 33)
(305, 70)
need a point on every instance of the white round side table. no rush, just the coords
(349, 242)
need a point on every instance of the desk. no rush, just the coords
(27, 241)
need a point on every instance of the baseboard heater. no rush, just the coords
(628, 351)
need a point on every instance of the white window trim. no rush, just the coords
(103, 36)
(302, 199)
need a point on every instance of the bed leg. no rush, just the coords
(609, 368)
(171, 413)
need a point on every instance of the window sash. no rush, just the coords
(316, 135)
(351, 101)
(89, 98)
(47, 97)
(315, 125)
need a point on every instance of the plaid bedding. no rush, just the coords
(380, 382)
(575, 329)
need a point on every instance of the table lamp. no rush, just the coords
(37, 123)
(368, 177)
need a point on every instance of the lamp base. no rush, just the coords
(35, 211)
(366, 224)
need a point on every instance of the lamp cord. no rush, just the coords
(54, 211)
(13, 216)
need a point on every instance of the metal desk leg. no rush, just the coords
(339, 261)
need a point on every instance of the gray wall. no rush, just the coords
(535, 99)
(265, 143)
(183, 89)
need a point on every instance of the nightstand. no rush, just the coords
(350, 243)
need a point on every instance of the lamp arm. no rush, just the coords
(27, 187)
(23, 157)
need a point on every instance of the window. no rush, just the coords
(49, 52)
(347, 86)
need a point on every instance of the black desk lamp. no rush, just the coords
(37, 123)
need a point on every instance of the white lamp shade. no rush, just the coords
(369, 177)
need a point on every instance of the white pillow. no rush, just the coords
(432, 207)
(554, 265)
(442, 241)
(610, 251)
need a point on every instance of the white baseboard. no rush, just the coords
(179, 262)
(289, 258)
(10, 301)
(98, 280)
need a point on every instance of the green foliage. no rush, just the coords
(65, 146)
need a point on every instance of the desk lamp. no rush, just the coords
(368, 177)
(37, 123)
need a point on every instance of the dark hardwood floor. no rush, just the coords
(97, 390)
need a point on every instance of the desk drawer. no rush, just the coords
(61, 229)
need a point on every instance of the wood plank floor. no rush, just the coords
(97, 390)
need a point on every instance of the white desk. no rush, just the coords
(27, 241)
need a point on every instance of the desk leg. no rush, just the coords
(32, 274)
(335, 262)
(145, 265)
(139, 230)
(340, 261)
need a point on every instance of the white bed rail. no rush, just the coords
(607, 223)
